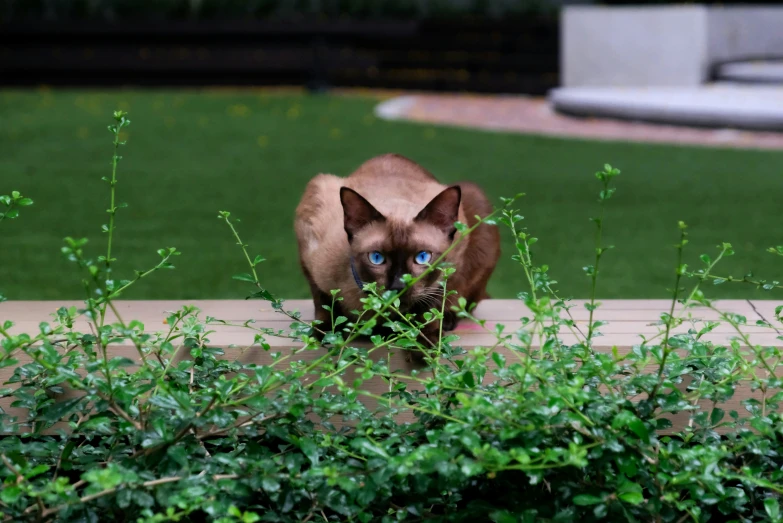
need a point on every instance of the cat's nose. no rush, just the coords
(397, 284)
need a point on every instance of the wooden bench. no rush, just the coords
(628, 319)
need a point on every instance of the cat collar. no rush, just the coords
(356, 276)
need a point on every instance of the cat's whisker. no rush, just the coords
(437, 297)
(432, 291)
(424, 295)
(432, 300)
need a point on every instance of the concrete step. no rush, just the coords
(717, 105)
(753, 72)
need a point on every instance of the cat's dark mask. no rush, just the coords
(384, 248)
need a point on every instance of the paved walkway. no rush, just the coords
(534, 116)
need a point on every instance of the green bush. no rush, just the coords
(528, 429)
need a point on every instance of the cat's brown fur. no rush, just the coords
(392, 205)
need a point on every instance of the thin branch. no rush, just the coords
(116, 409)
(753, 306)
(12, 468)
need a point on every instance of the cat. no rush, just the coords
(389, 218)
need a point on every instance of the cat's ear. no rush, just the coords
(357, 212)
(443, 210)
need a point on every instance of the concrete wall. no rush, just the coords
(634, 46)
(661, 45)
(744, 32)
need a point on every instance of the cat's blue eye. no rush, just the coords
(376, 258)
(423, 257)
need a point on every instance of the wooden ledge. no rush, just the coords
(627, 320)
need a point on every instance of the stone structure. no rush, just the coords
(673, 46)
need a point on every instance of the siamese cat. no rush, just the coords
(389, 218)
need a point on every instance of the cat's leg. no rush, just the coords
(430, 333)
(449, 316)
(319, 300)
(321, 315)
(483, 245)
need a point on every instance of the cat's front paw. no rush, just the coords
(317, 332)
(449, 321)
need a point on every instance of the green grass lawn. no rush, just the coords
(192, 153)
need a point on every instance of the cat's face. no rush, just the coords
(383, 249)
